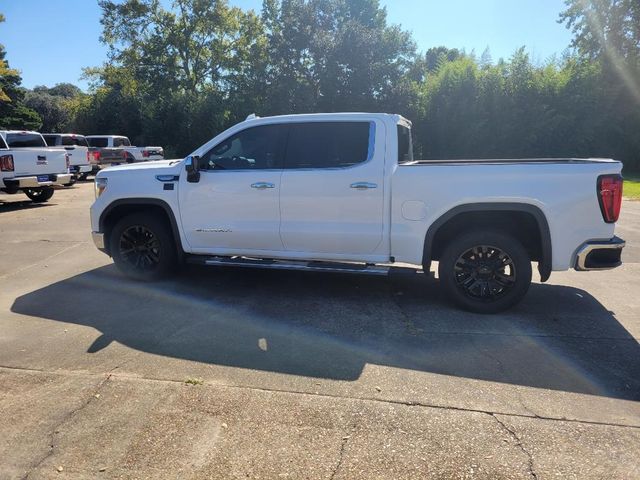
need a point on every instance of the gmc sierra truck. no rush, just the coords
(343, 193)
(80, 162)
(27, 166)
(108, 150)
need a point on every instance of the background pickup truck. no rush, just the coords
(342, 192)
(29, 167)
(110, 150)
(76, 146)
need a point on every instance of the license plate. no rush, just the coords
(43, 178)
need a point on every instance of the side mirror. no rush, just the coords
(192, 167)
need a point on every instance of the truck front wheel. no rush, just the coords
(485, 271)
(142, 247)
(40, 194)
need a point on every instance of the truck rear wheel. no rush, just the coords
(143, 247)
(485, 271)
(40, 194)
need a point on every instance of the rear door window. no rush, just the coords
(329, 144)
(98, 142)
(25, 140)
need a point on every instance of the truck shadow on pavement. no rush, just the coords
(331, 326)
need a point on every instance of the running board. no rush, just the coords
(314, 266)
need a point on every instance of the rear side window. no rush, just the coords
(74, 140)
(98, 142)
(24, 140)
(121, 142)
(3, 144)
(405, 145)
(256, 148)
(51, 140)
(329, 144)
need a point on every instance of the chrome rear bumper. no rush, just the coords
(600, 255)
(38, 180)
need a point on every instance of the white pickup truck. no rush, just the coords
(80, 162)
(342, 192)
(27, 166)
(110, 150)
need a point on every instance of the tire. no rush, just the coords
(143, 247)
(83, 177)
(485, 271)
(39, 195)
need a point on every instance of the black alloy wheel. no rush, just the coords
(143, 247)
(139, 247)
(485, 272)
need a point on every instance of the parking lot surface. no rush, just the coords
(233, 373)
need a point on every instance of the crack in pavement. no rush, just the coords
(65, 419)
(519, 444)
(407, 403)
(343, 447)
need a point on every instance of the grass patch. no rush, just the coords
(631, 188)
(193, 381)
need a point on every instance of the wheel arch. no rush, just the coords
(120, 208)
(502, 215)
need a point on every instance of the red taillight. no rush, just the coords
(96, 156)
(145, 153)
(6, 163)
(610, 197)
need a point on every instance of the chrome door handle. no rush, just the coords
(262, 185)
(364, 185)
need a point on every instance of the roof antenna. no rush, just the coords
(251, 117)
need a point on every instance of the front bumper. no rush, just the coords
(98, 240)
(600, 254)
(38, 181)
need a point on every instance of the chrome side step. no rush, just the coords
(313, 266)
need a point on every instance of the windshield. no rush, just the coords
(24, 140)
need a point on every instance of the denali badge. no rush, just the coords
(214, 230)
(42, 160)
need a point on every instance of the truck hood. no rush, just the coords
(164, 166)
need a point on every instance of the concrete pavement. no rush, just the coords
(300, 375)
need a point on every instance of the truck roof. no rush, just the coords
(105, 136)
(338, 116)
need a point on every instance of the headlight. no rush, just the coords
(100, 185)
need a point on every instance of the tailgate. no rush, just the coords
(37, 161)
(77, 155)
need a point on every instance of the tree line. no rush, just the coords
(177, 76)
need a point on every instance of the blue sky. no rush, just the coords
(48, 48)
